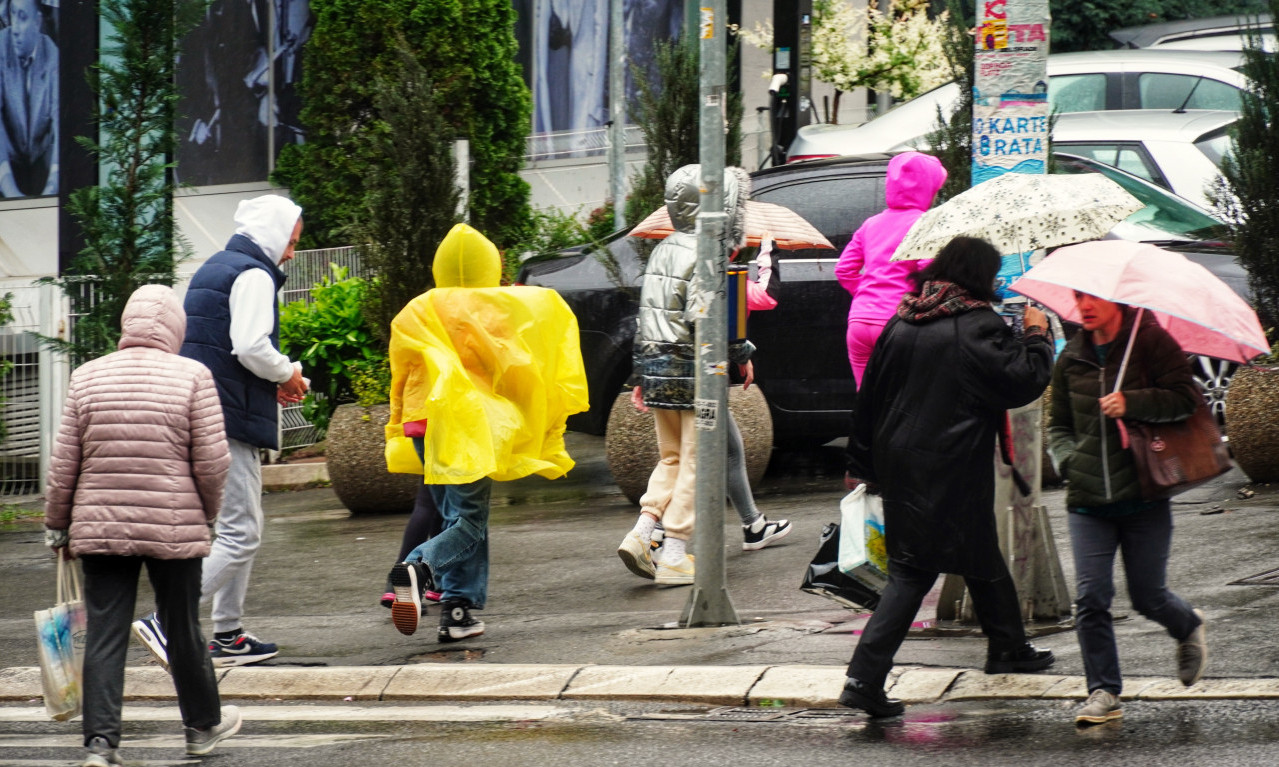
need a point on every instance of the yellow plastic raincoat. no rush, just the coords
(494, 371)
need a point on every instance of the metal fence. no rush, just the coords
(32, 393)
(308, 269)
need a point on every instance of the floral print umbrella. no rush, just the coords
(1018, 212)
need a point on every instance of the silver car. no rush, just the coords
(1147, 78)
(1181, 152)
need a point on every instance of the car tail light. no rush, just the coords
(799, 157)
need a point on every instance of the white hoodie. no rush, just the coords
(268, 221)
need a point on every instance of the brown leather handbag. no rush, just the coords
(1172, 458)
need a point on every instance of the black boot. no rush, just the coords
(1023, 659)
(872, 700)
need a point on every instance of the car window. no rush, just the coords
(1130, 158)
(1158, 90)
(1165, 216)
(1216, 145)
(1077, 93)
(835, 205)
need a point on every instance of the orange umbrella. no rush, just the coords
(785, 226)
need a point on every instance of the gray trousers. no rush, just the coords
(739, 485)
(1144, 540)
(239, 533)
(110, 595)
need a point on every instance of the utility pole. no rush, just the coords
(617, 112)
(1010, 135)
(709, 603)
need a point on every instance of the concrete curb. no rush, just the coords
(293, 476)
(791, 686)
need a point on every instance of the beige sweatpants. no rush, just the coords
(672, 485)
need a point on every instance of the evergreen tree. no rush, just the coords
(952, 137)
(468, 49)
(411, 197)
(1247, 197)
(668, 112)
(127, 220)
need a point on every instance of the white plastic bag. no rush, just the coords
(862, 555)
(60, 639)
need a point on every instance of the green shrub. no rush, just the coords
(330, 338)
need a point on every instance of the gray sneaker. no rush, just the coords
(101, 754)
(1100, 707)
(1192, 654)
(201, 742)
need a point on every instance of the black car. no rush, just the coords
(801, 362)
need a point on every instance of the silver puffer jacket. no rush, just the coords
(664, 352)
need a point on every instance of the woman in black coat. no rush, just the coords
(934, 395)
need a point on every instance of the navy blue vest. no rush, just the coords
(249, 405)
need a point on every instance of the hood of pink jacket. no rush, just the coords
(154, 318)
(913, 180)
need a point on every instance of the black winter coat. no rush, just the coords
(932, 401)
(1086, 448)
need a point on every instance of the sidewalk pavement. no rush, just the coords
(565, 620)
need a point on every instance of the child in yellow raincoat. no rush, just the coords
(482, 380)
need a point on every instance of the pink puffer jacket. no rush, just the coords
(141, 457)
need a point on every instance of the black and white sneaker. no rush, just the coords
(241, 650)
(409, 580)
(456, 622)
(147, 630)
(768, 532)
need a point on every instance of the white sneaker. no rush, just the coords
(201, 742)
(636, 555)
(675, 573)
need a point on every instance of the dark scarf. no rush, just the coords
(937, 300)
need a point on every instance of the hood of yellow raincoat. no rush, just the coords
(495, 373)
(466, 259)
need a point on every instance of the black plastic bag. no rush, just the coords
(824, 577)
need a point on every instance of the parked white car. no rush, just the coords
(1181, 152)
(1218, 33)
(1147, 78)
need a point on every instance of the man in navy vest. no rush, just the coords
(233, 327)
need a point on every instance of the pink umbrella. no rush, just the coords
(1200, 311)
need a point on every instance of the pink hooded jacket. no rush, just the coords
(140, 460)
(864, 269)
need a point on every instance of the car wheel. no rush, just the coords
(630, 440)
(1213, 377)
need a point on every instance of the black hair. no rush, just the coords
(970, 262)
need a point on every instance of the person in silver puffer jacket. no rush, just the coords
(663, 358)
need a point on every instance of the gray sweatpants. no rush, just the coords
(739, 485)
(239, 533)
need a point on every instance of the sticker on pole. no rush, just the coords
(707, 413)
(707, 26)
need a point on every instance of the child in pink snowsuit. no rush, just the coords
(864, 269)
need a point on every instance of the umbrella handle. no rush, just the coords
(1123, 366)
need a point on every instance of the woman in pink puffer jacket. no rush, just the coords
(876, 283)
(136, 478)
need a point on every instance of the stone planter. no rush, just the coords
(630, 443)
(1252, 422)
(354, 451)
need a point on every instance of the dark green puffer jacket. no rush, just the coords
(1158, 388)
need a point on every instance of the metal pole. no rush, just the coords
(462, 172)
(617, 112)
(709, 603)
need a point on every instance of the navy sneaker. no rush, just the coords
(147, 630)
(241, 650)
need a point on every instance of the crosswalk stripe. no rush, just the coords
(351, 713)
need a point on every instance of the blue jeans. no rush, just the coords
(1144, 540)
(459, 555)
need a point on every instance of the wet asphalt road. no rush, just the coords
(999, 734)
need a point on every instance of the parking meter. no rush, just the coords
(790, 91)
